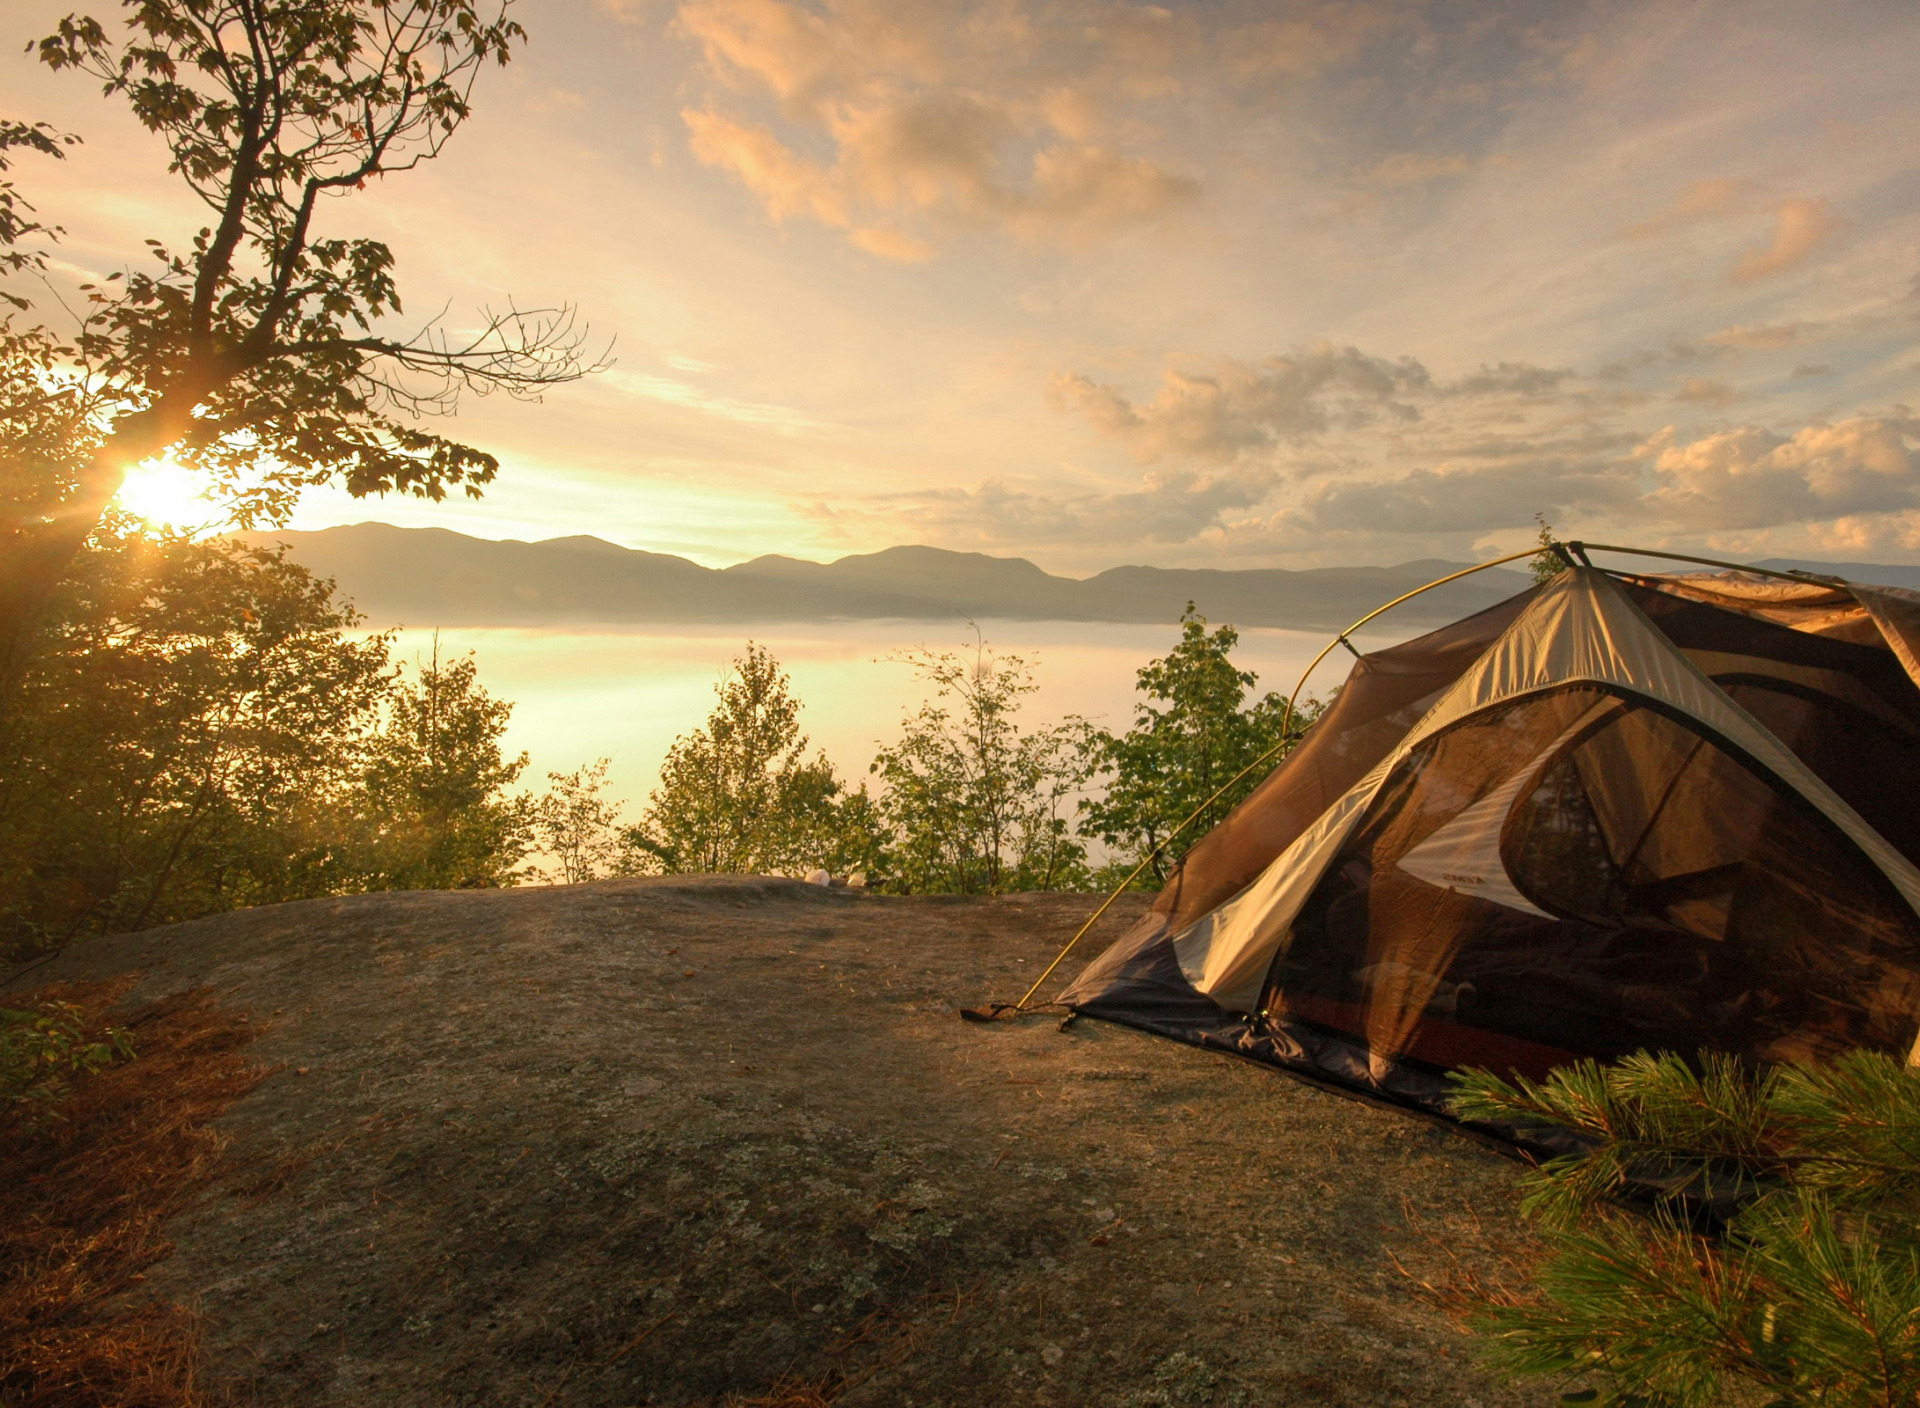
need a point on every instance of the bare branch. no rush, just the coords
(521, 352)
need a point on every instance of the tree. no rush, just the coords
(260, 353)
(203, 727)
(185, 737)
(1547, 563)
(578, 827)
(435, 807)
(17, 220)
(1190, 737)
(740, 796)
(1810, 1293)
(973, 804)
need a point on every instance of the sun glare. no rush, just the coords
(166, 495)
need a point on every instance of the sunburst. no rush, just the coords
(167, 495)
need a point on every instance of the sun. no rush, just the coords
(166, 494)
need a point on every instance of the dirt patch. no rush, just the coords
(725, 1141)
(84, 1201)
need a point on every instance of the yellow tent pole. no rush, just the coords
(1286, 722)
(1789, 576)
(1286, 718)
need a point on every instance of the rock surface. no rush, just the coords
(693, 1142)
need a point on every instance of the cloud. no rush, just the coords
(1089, 191)
(802, 57)
(935, 155)
(678, 393)
(892, 244)
(1800, 226)
(1241, 408)
(788, 184)
(1511, 378)
(1303, 44)
(1464, 500)
(1703, 391)
(1236, 409)
(1851, 486)
(936, 118)
(1774, 335)
(1868, 536)
(1700, 200)
(1488, 450)
(1753, 478)
(1168, 508)
(1414, 169)
(1681, 353)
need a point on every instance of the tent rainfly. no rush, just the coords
(1613, 813)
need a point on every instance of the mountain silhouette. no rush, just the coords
(432, 576)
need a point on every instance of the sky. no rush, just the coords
(1212, 284)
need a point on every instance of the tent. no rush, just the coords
(1615, 812)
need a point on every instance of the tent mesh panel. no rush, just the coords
(1580, 874)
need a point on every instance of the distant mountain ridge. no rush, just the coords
(433, 576)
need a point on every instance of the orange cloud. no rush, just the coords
(938, 118)
(789, 184)
(1752, 478)
(1800, 226)
(1701, 200)
(1772, 335)
(1704, 392)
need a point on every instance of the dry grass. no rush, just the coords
(83, 1202)
(1500, 1272)
(795, 1393)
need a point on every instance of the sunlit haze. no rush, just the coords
(166, 494)
(627, 694)
(1226, 284)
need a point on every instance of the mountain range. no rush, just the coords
(435, 577)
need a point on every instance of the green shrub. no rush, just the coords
(42, 1050)
(1806, 1291)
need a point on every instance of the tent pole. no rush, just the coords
(1140, 869)
(1561, 550)
(1286, 723)
(1794, 575)
(1286, 719)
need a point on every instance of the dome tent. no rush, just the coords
(1613, 813)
